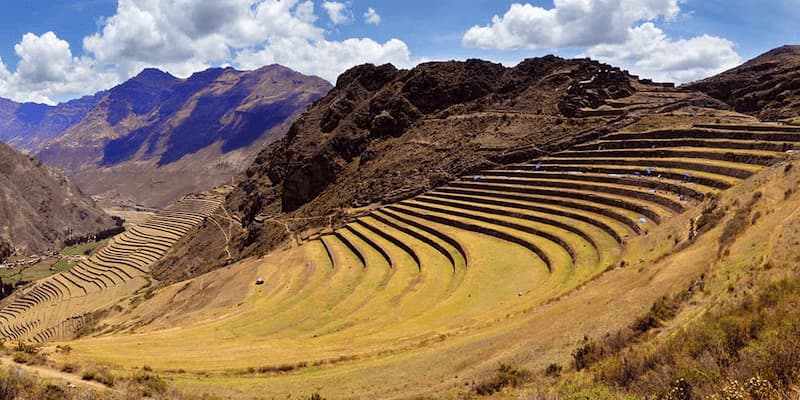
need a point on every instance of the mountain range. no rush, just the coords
(156, 137)
(768, 86)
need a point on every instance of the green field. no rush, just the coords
(49, 266)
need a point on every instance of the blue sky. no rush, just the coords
(55, 50)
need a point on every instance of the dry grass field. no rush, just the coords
(430, 295)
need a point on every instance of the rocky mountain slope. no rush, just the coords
(28, 126)
(40, 208)
(384, 134)
(767, 86)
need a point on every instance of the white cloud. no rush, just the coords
(47, 70)
(327, 59)
(43, 58)
(571, 23)
(182, 37)
(338, 12)
(649, 52)
(372, 16)
(621, 32)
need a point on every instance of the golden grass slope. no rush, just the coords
(430, 294)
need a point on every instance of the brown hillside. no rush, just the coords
(40, 208)
(767, 86)
(384, 134)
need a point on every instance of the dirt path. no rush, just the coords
(48, 373)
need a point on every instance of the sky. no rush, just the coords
(55, 50)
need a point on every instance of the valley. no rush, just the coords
(458, 230)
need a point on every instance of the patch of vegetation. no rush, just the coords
(98, 374)
(15, 383)
(737, 224)
(750, 350)
(665, 309)
(25, 353)
(149, 384)
(507, 375)
(84, 249)
(710, 217)
(63, 265)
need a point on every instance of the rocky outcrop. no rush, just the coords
(380, 104)
(767, 86)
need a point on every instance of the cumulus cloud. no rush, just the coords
(338, 12)
(571, 23)
(43, 58)
(621, 32)
(327, 59)
(182, 37)
(648, 51)
(372, 17)
(47, 69)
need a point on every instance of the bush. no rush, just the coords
(27, 348)
(70, 368)
(98, 374)
(680, 390)
(506, 376)
(553, 370)
(149, 384)
(587, 354)
(29, 359)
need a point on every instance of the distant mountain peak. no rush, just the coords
(153, 75)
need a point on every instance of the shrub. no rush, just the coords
(506, 376)
(70, 368)
(149, 384)
(753, 347)
(587, 354)
(27, 348)
(29, 359)
(680, 390)
(51, 392)
(98, 374)
(553, 370)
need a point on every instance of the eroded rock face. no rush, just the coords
(376, 104)
(767, 86)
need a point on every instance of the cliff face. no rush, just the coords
(767, 86)
(40, 208)
(384, 134)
